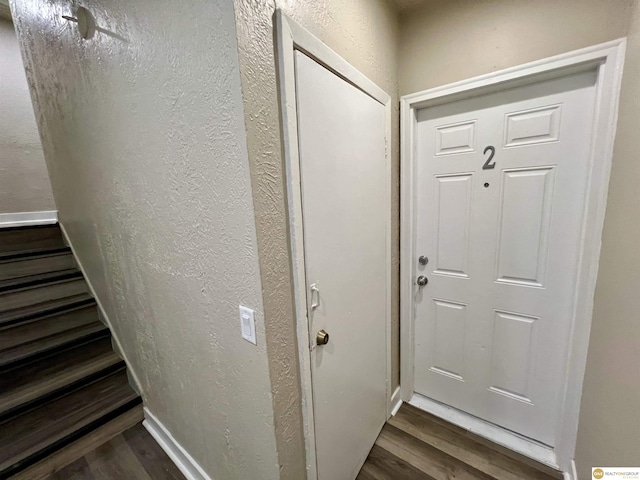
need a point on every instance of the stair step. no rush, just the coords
(48, 467)
(44, 309)
(25, 265)
(31, 252)
(25, 384)
(33, 435)
(29, 332)
(41, 290)
(17, 239)
(30, 281)
(47, 345)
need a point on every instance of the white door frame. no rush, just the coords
(607, 59)
(291, 37)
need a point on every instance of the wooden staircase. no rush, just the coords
(62, 387)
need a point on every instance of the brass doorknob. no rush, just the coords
(322, 338)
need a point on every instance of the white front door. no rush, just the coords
(501, 184)
(341, 133)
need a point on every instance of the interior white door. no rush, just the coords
(501, 184)
(341, 135)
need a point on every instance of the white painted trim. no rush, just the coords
(103, 314)
(291, 37)
(396, 402)
(28, 219)
(607, 59)
(574, 472)
(185, 462)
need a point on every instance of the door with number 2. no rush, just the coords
(501, 184)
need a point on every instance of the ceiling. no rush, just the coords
(404, 5)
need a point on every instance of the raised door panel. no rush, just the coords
(513, 347)
(532, 126)
(447, 339)
(525, 213)
(453, 197)
(456, 138)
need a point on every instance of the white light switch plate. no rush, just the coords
(248, 324)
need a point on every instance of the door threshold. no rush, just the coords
(498, 435)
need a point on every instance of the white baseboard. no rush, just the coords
(103, 316)
(26, 219)
(396, 402)
(185, 462)
(574, 472)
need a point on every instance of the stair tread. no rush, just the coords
(17, 255)
(38, 280)
(21, 267)
(30, 238)
(44, 309)
(29, 382)
(44, 292)
(48, 427)
(47, 344)
(27, 332)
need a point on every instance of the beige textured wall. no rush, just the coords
(144, 137)
(449, 41)
(365, 33)
(609, 429)
(24, 182)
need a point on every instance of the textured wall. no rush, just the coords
(24, 183)
(609, 430)
(449, 41)
(144, 137)
(456, 39)
(365, 33)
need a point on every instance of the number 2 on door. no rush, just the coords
(488, 165)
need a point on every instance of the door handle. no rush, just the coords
(422, 281)
(315, 294)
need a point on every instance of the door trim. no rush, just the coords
(607, 59)
(291, 37)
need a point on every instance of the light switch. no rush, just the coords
(248, 324)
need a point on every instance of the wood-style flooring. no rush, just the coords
(415, 445)
(132, 455)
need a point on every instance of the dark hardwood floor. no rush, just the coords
(132, 455)
(415, 445)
